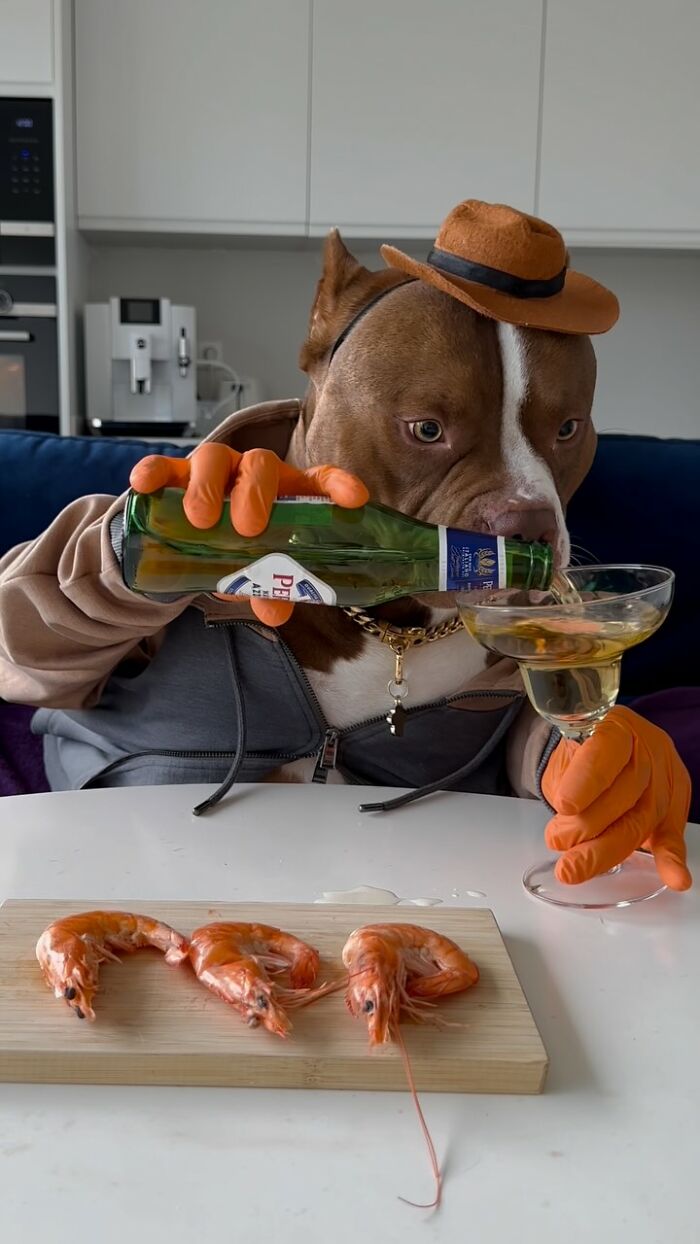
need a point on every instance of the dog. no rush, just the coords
(448, 416)
(460, 391)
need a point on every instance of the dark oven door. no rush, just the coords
(27, 218)
(28, 354)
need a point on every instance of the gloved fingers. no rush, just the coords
(594, 766)
(254, 491)
(564, 832)
(157, 471)
(342, 487)
(212, 466)
(557, 765)
(323, 481)
(272, 612)
(591, 859)
(667, 842)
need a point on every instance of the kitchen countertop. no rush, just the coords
(608, 1152)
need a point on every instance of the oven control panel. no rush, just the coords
(26, 160)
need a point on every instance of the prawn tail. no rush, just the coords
(148, 932)
(437, 1173)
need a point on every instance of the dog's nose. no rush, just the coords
(526, 524)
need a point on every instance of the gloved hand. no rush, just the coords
(624, 788)
(252, 480)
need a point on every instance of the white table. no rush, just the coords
(609, 1152)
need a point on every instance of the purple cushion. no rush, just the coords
(21, 761)
(678, 713)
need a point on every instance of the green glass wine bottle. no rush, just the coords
(314, 552)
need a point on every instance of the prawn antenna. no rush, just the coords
(435, 1204)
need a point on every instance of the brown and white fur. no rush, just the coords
(517, 440)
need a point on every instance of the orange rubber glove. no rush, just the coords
(624, 788)
(252, 480)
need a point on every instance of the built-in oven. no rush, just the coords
(28, 353)
(27, 217)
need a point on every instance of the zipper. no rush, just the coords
(327, 757)
(318, 711)
(444, 702)
(327, 754)
(327, 749)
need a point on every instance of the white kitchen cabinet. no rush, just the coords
(416, 106)
(192, 117)
(621, 120)
(26, 41)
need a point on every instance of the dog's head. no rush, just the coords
(445, 414)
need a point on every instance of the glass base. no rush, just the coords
(635, 881)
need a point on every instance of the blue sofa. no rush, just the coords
(640, 503)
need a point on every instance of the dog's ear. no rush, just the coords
(344, 288)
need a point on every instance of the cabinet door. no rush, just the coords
(416, 106)
(26, 41)
(621, 115)
(192, 115)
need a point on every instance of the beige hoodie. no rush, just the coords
(67, 620)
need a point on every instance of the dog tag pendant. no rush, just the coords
(398, 690)
(396, 718)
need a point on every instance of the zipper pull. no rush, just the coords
(327, 756)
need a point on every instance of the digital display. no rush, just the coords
(24, 123)
(140, 311)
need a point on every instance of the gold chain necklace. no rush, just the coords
(399, 639)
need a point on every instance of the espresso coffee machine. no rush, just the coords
(140, 367)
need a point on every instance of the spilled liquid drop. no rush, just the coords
(370, 895)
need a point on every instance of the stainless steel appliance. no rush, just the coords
(139, 364)
(27, 218)
(28, 353)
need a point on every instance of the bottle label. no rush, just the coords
(471, 561)
(278, 577)
(303, 501)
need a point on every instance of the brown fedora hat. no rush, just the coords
(511, 267)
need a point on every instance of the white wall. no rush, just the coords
(257, 303)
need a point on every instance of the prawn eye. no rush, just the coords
(261, 1001)
(369, 1006)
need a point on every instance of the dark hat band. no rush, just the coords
(361, 313)
(504, 282)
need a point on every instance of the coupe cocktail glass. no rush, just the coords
(568, 643)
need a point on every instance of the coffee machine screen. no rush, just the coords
(139, 310)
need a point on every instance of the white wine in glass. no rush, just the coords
(569, 644)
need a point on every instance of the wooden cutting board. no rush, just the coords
(157, 1025)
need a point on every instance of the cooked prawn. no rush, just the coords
(402, 967)
(237, 961)
(395, 968)
(71, 950)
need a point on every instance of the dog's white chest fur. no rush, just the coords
(356, 690)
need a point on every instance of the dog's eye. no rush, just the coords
(567, 430)
(427, 430)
